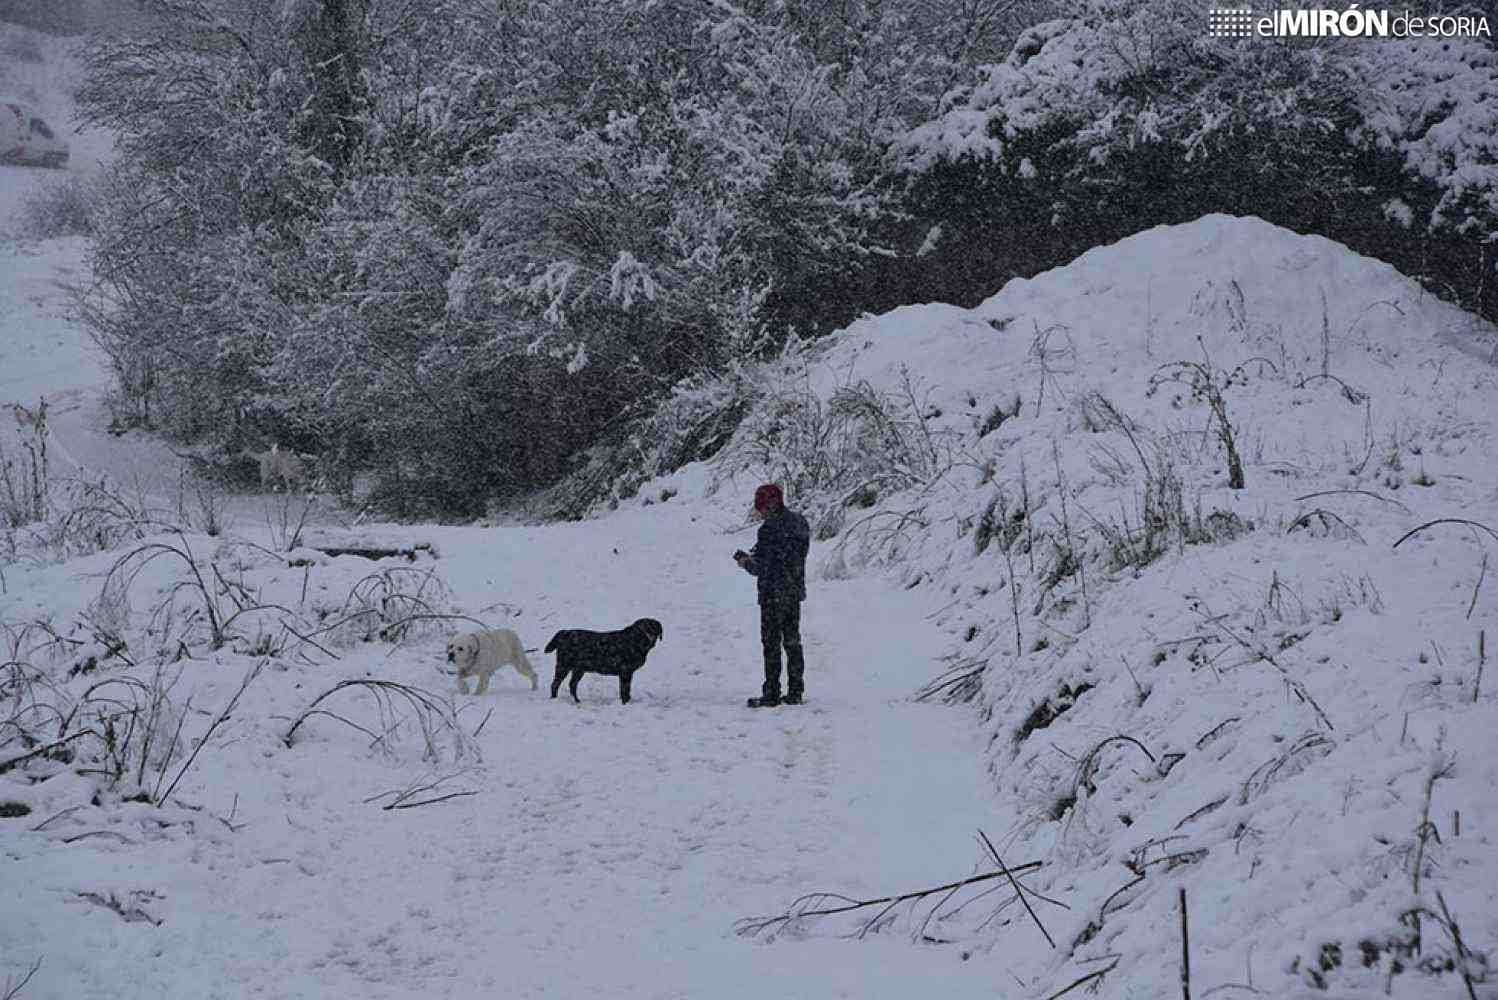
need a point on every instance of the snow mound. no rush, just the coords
(1250, 694)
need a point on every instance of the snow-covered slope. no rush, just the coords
(1250, 694)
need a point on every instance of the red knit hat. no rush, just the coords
(765, 494)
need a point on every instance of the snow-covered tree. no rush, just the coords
(1129, 114)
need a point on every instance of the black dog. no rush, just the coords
(618, 654)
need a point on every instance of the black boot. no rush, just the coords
(764, 702)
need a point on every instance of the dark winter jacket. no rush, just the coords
(778, 558)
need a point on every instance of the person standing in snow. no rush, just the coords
(778, 561)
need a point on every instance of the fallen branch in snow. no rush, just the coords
(1017, 890)
(402, 799)
(751, 926)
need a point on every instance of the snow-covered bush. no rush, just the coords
(525, 227)
(1129, 115)
(1436, 103)
(208, 187)
(62, 206)
(841, 453)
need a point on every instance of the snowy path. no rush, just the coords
(610, 848)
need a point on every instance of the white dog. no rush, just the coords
(281, 468)
(482, 653)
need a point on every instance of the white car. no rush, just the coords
(25, 137)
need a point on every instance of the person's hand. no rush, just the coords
(740, 557)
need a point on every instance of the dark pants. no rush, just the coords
(780, 625)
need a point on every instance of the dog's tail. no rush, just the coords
(553, 643)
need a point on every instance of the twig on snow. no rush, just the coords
(754, 925)
(1017, 890)
(11, 992)
(402, 799)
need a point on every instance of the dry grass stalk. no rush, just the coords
(1482, 658)
(1088, 766)
(1261, 653)
(1449, 922)
(1185, 950)
(431, 713)
(1427, 829)
(1095, 978)
(1477, 587)
(1444, 520)
(202, 742)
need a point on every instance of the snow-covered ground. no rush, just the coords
(607, 850)
(1252, 695)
